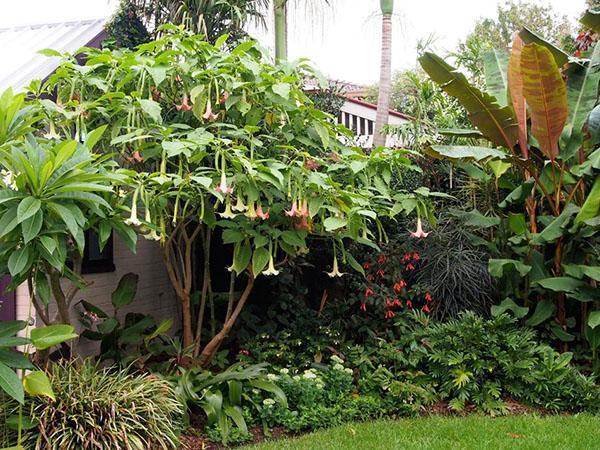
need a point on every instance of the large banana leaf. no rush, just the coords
(546, 95)
(591, 206)
(466, 153)
(495, 122)
(560, 56)
(515, 83)
(495, 63)
(591, 19)
(582, 93)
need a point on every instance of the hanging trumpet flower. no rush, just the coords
(133, 218)
(260, 213)
(271, 267)
(239, 204)
(228, 214)
(251, 213)
(52, 134)
(223, 188)
(419, 233)
(184, 105)
(293, 212)
(335, 272)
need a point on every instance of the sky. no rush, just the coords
(342, 41)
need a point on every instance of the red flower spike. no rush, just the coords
(381, 273)
(363, 307)
(409, 304)
(426, 309)
(366, 265)
(389, 314)
(381, 259)
(427, 297)
(369, 292)
(410, 267)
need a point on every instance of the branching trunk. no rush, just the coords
(212, 347)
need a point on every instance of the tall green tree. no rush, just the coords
(497, 32)
(385, 72)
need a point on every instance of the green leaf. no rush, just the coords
(94, 136)
(556, 228)
(260, 259)
(591, 19)
(32, 226)
(282, 89)
(560, 284)
(241, 256)
(582, 93)
(46, 337)
(11, 327)
(495, 65)
(497, 267)
(37, 383)
(19, 260)
(476, 219)
(235, 412)
(293, 238)
(151, 108)
(579, 271)
(8, 221)
(272, 388)
(42, 288)
(125, 292)
(162, 328)
(495, 122)
(593, 319)
(509, 305)
(460, 132)
(519, 194)
(334, 223)
(465, 153)
(323, 133)
(543, 311)
(10, 383)
(591, 206)
(15, 360)
(27, 208)
(355, 264)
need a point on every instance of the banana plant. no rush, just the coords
(537, 115)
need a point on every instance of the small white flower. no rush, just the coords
(284, 371)
(271, 268)
(8, 179)
(310, 375)
(338, 366)
(255, 391)
(319, 385)
(337, 359)
(348, 370)
(296, 378)
(272, 377)
(268, 402)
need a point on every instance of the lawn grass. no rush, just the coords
(473, 432)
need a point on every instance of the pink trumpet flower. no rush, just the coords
(222, 187)
(419, 233)
(184, 106)
(208, 114)
(293, 212)
(303, 211)
(262, 214)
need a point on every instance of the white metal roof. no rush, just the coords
(19, 47)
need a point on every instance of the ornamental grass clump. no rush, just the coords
(106, 409)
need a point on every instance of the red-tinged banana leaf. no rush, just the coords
(515, 85)
(560, 56)
(591, 19)
(546, 96)
(495, 64)
(582, 93)
(497, 124)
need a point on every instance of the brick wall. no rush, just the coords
(155, 295)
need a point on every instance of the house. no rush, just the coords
(19, 48)
(359, 115)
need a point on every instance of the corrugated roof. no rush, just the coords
(19, 48)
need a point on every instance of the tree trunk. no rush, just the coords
(280, 13)
(212, 347)
(385, 74)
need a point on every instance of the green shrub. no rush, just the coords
(108, 409)
(479, 361)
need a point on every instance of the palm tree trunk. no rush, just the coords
(280, 10)
(385, 74)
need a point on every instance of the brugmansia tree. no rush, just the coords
(537, 114)
(225, 144)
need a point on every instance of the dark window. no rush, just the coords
(370, 128)
(362, 128)
(94, 259)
